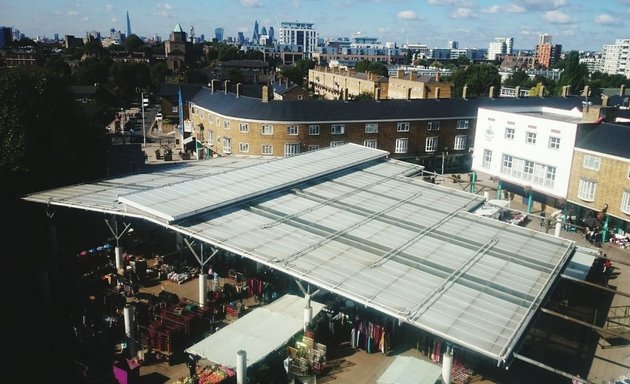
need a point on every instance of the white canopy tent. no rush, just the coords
(258, 333)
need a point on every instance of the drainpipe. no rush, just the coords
(473, 180)
(499, 188)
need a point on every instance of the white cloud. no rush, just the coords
(510, 8)
(73, 13)
(462, 13)
(251, 3)
(606, 19)
(557, 17)
(406, 15)
(457, 3)
(540, 4)
(109, 7)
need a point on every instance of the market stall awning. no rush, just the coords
(411, 370)
(258, 333)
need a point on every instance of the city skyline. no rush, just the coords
(574, 24)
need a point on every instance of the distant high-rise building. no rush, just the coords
(6, 36)
(256, 35)
(241, 38)
(497, 47)
(509, 45)
(192, 34)
(547, 54)
(615, 58)
(453, 45)
(263, 31)
(300, 35)
(128, 25)
(218, 34)
(271, 35)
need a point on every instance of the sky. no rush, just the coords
(583, 25)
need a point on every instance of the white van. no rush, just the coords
(158, 116)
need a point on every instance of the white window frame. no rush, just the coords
(487, 159)
(371, 143)
(266, 149)
(243, 147)
(587, 190)
(313, 130)
(336, 143)
(291, 149)
(554, 142)
(625, 202)
(509, 133)
(371, 127)
(433, 125)
(313, 147)
(402, 145)
(227, 145)
(337, 129)
(530, 137)
(243, 128)
(293, 130)
(266, 129)
(217, 122)
(463, 124)
(431, 144)
(460, 142)
(226, 125)
(211, 138)
(592, 162)
(402, 126)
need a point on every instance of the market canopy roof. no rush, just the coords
(258, 333)
(352, 221)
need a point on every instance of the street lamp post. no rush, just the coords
(444, 154)
(144, 129)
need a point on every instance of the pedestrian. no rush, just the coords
(576, 380)
(542, 218)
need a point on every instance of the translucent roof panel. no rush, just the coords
(352, 222)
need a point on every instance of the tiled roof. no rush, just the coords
(609, 139)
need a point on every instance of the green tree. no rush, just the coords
(45, 140)
(92, 70)
(518, 79)
(574, 74)
(297, 72)
(127, 77)
(372, 67)
(158, 74)
(478, 78)
(133, 43)
(364, 95)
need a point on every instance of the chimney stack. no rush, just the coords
(408, 93)
(604, 100)
(265, 94)
(377, 94)
(226, 86)
(400, 74)
(345, 93)
(542, 91)
(238, 90)
(213, 87)
(464, 92)
(622, 90)
(437, 76)
(517, 91)
(491, 93)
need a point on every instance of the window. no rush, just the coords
(463, 124)
(487, 158)
(243, 127)
(402, 145)
(313, 147)
(530, 137)
(506, 167)
(591, 162)
(528, 170)
(267, 129)
(313, 130)
(371, 128)
(243, 147)
(433, 125)
(586, 189)
(460, 142)
(227, 145)
(509, 133)
(402, 127)
(292, 130)
(554, 142)
(625, 202)
(211, 138)
(550, 176)
(369, 143)
(335, 143)
(291, 149)
(300, 97)
(431, 144)
(266, 149)
(200, 113)
(217, 122)
(337, 129)
(226, 124)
